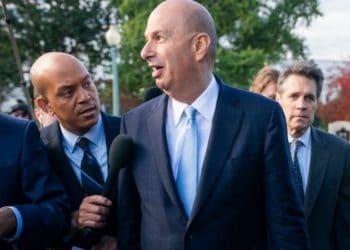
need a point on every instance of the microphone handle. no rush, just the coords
(88, 237)
(110, 186)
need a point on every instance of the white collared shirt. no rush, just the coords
(98, 148)
(175, 125)
(304, 155)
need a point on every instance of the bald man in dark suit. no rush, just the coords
(211, 168)
(66, 90)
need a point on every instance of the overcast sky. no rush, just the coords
(328, 37)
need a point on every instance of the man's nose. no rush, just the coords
(147, 51)
(301, 103)
(84, 95)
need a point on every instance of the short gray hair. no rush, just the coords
(305, 68)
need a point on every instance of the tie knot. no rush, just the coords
(83, 143)
(297, 143)
(190, 112)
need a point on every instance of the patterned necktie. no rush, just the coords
(187, 177)
(298, 178)
(91, 176)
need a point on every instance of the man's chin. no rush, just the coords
(89, 120)
(298, 131)
(162, 84)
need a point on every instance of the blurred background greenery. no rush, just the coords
(252, 33)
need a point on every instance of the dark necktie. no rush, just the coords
(91, 176)
(298, 178)
(187, 177)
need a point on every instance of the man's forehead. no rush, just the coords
(70, 79)
(299, 80)
(158, 31)
(300, 91)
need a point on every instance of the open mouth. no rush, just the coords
(88, 111)
(156, 71)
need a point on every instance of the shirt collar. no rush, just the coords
(305, 138)
(205, 104)
(94, 135)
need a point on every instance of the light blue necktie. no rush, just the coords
(187, 177)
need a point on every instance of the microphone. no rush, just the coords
(120, 153)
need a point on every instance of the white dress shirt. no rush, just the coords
(304, 155)
(175, 126)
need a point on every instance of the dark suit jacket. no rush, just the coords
(52, 138)
(27, 183)
(246, 197)
(327, 200)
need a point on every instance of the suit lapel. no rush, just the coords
(318, 166)
(226, 124)
(157, 137)
(63, 167)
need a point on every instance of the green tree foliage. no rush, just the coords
(73, 26)
(252, 33)
(7, 65)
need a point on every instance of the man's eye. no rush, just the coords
(88, 84)
(310, 98)
(294, 97)
(66, 93)
(158, 38)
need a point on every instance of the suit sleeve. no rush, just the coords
(45, 210)
(342, 215)
(129, 215)
(286, 224)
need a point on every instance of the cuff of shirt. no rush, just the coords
(19, 225)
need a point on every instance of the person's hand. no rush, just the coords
(106, 242)
(8, 222)
(93, 212)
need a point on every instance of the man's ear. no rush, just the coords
(278, 97)
(201, 44)
(44, 104)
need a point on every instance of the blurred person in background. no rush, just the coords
(151, 93)
(20, 110)
(265, 82)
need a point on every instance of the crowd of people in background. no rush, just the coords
(213, 167)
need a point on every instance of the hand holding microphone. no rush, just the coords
(119, 154)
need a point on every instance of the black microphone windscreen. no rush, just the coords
(120, 152)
